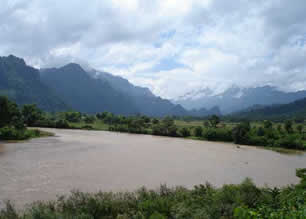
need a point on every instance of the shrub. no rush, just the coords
(214, 134)
(290, 141)
(62, 123)
(257, 140)
(240, 133)
(184, 132)
(198, 132)
(11, 133)
(244, 200)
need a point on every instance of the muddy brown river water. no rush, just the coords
(41, 169)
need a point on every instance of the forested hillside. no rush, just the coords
(86, 94)
(146, 102)
(22, 84)
(296, 109)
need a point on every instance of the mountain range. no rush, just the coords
(72, 88)
(296, 109)
(237, 99)
(90, 91)
(22, 84)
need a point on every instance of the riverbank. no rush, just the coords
(10, 134)
(221, 134)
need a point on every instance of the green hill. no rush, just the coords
(21, 83)
(84, 93)
(296, 109)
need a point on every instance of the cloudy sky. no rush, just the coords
(170, 46)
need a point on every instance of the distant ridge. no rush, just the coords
(72, 88)
(23, 84)
(295, 109)
(84, 93)
(236, 98)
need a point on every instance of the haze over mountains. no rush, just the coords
(72, 88)
(236, 99)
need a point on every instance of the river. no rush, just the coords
(41, 169)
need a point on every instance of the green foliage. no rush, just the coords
(244, 200)
(288, 126)
(267, 124)
(184, 132)
(198, 132)
(11, 133)
(291, 141)
(62, 123)
(31, 114)
(89, 119)
(165, 128)
(240, 133)
(9, 112)
(155, 121)
(72, 116)
(214, 121)
(300, 128)
(260, 131)
(286, 203)
(216, 134)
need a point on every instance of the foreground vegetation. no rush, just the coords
(204, 201)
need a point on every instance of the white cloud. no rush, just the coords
(171, 46)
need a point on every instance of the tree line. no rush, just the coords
(287, 134)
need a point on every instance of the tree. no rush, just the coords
(240, 133)
(31, 114)
(279, 128)
(260, 131)
(184, 132)
(89, 119)
(62, 123)
(214, 120)
(9, 112)
(198, 132)
(288, 126)
(300, 128)
(155, 121)
(168, 121)
(206, 124)
(268, 124)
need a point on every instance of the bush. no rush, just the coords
(257, 140)
(245, 200)
(87, 127)
(215, 134)
(198, 132)
(62, 123)
(11, 133)
(290, 141)
(184, 132)
(89, 119)
(47, 123)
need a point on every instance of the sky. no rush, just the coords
(171, 46)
